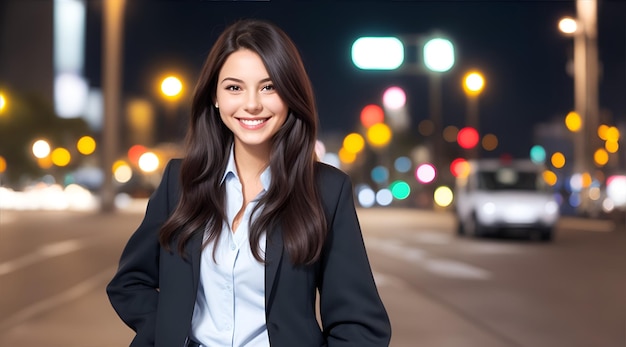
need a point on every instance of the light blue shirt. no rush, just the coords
(230, 305)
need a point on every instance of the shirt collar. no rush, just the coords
(231, 167)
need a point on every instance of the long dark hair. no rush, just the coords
(292, 200)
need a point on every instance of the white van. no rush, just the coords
(496, 195)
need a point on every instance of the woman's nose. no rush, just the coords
(253, 103)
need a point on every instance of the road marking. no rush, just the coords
(44, 252)
(58, 300)
(383, 280)
(441, 267)
(492, 248)
(456, 269)
(397, 250)
(433, 238)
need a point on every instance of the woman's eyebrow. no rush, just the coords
(232, 79)
(237, 80)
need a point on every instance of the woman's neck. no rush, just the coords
(251, 160)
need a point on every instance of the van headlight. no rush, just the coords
(552, 207)
(487, 214)
(488, 208)
(551, 213)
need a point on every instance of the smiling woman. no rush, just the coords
(250, 225)
(248, 103)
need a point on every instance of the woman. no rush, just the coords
(244, 232)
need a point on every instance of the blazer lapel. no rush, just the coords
(273, 259)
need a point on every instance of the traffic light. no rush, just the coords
(377, 53)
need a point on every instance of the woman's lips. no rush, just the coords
(252, 123)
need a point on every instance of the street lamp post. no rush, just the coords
(113, 13)
(438, 55)
(586, 73)
(473, 85)
(171, 89)
(584, 31)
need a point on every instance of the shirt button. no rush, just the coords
(232, 246)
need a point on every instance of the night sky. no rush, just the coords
(516, 44)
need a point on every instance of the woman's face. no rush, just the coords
(248, 103)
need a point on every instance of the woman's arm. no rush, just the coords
(351, 310)
(134, 290)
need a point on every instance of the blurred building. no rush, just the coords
(26, 48)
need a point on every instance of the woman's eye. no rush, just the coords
(233, 88)
(268, 87)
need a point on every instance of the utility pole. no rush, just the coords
(586, 86)
(113, 13)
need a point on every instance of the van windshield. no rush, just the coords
(509, 179)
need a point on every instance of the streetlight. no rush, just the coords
(438, 55)
(113, 19)
(377, 53)
(3, 102)
(586, 66)
(473, 85)
(568, 25)
(171, 88)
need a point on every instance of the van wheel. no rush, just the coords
(472, 227)
(547, 235)
(460, 230)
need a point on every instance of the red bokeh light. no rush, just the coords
(458, 167)
(467, 137)
(135, 152)
(372, 114)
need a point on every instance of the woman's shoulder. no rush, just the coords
(175, 162)
(173, 165)
(171, 171)
(327, 174)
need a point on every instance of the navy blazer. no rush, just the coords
(154, 290)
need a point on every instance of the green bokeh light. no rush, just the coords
(538, 154)
(400, 190)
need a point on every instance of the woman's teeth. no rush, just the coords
(252, 122)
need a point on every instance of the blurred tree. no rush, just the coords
(29, 118)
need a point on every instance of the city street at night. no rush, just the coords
(440, 290)
(451, 119)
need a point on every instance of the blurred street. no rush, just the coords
(441, 290)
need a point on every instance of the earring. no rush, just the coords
(216, 105)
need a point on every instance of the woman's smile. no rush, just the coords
(252, 123)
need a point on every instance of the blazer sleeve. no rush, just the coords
(134, 289)
(351, 310)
